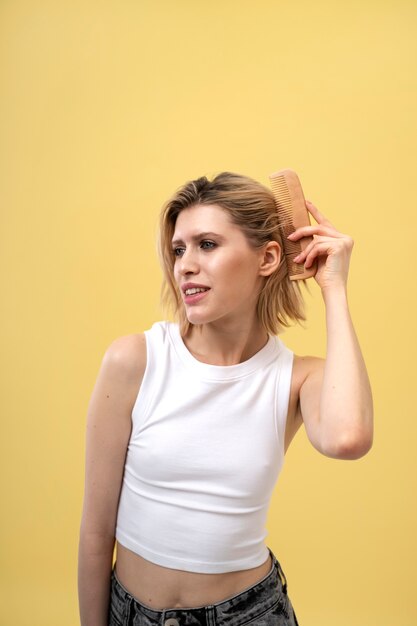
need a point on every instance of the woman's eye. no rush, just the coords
(206, 245)
(211, 244)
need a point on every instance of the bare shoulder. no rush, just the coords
(127, 355)
(120, 376)
(109, 426)
(305, 368)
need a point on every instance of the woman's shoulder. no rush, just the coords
(305, 368)
(305, 365)
(302, 366)
(126, 355)
(129, 352)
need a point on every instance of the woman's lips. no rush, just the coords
(195, 297)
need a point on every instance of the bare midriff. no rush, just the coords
(161, 587)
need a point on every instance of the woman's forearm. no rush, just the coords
(346, 408)
(94, 573)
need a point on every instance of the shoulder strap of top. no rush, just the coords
(284, 378)
(156, 347)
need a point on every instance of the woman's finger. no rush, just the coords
(320, 249)
(301, 257)
(324, 246)
(318, 216)
(317, 248)
(315, 229)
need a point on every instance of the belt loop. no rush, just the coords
(283, 579)
(210, 615)
(127, 620)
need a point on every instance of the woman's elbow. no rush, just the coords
(351, 445)
(352, 449)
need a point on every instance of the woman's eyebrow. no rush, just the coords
(198, 237)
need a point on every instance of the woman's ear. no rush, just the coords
(270, 257)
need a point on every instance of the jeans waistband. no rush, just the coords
(261, 595)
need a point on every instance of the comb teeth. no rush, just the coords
(282, 198)
(285, 209)
(292, 214)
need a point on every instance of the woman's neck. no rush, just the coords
(217, 345)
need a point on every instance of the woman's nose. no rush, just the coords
(188, 262)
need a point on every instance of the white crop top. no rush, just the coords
(206, 448)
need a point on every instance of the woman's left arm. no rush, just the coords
(335, 397)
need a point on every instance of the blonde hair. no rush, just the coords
(250, 206)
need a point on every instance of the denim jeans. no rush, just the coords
(265, 604)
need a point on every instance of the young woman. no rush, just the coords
(189, 422)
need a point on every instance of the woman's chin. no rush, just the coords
(198, 317)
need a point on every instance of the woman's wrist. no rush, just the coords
(335, 294)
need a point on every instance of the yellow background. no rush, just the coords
(106, 107)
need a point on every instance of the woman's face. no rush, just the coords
(212, 253)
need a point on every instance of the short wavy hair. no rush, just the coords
(250, 206)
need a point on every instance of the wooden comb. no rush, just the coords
(292, 214)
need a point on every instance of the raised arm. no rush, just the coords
(335, 398)
(108, 432)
